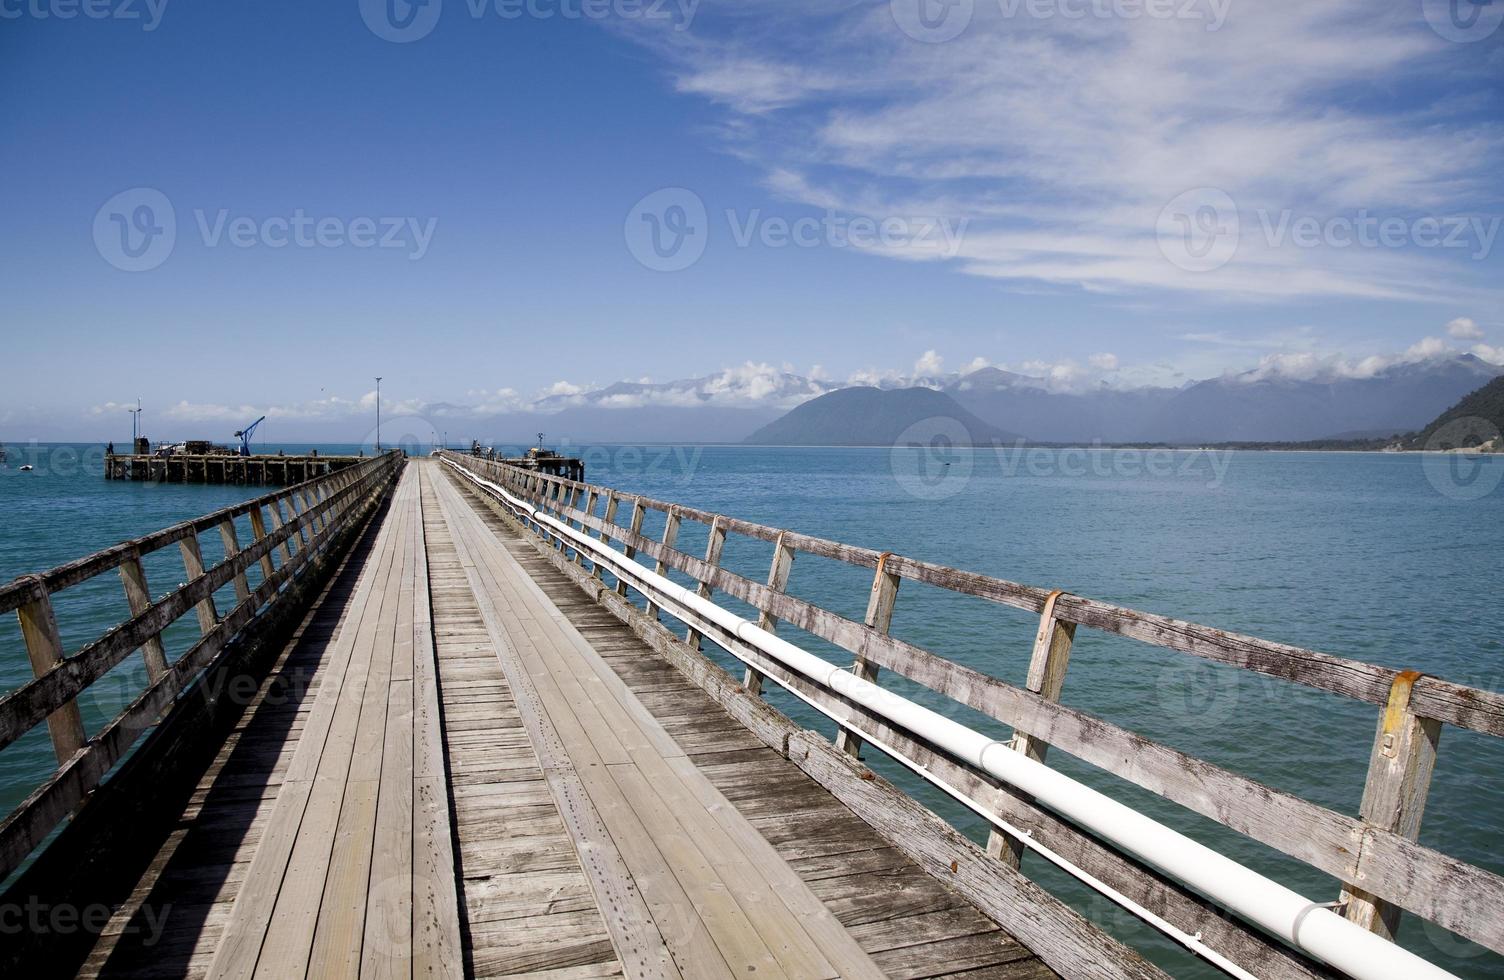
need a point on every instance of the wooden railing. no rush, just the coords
(1375, 853)
(304, 521)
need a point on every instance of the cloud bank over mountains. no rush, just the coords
(727, 404)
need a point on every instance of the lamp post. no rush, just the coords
(378, 416)
(135, 424)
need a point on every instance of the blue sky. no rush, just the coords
(1064, 189)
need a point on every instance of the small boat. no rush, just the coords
(27, 468)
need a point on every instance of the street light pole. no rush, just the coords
(378, 416)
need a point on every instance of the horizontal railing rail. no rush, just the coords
(317, 512)
(1376, 853)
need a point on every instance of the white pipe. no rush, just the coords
(1307, 925)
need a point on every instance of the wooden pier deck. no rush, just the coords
(440, 719)
(462, 766)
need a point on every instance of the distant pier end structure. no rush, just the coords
(201, 465)
(537, 459)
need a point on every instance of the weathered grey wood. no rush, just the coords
(1456, 704)
(1394, 796)
(1397, 869)
(31, 822)
(714, 544)
(880, 602)
(44, 647)
(29, 704)
(778, 579)
(590, 503)
(608, 519)
(1046, 678)
(1059, 936)
(193, 567)
(670, 535)
(635, 527)
(232, 548)
(138, 597)
(258, 531)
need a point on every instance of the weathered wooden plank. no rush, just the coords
(880, 602)
(44, 648)
(1058, 935)
(193, 567)
(1394, 795)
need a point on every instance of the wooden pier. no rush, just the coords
(224, 468)
(415, 735)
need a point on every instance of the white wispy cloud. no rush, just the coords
(1062, 139)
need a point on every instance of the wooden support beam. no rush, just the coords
(193, 567)
(670, 535)
(778, 580)
(609, 518)
(232, 548)
(879, 617)
(44, 647)
(1047, 664)
(286, 547)
(713, 547)
(1394, 797)
(590, 501)
(138, 596)
(258, 530)
(635, 526)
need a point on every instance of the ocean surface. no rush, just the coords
(1392, 559)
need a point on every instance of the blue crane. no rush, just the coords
(244, 435)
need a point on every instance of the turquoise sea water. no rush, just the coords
(1389, 559)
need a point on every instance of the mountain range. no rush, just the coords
(1257, 405)
(867, 416)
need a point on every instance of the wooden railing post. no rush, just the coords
(635, 526)
(612, 503)
(670, 535)
(1047, 664)
(232, 548)
(44, 647)
(778, 580)
(138, 597)
(879, 617)
(590, 501)
(193, 566)
(1394, 797)
(713, 547)
(258, 531)
(287, 545)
